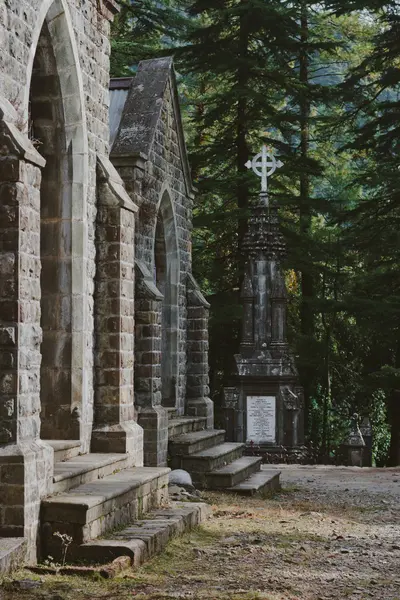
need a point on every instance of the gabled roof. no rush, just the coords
(135, 107)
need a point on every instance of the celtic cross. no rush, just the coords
(264, 164)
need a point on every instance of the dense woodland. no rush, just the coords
(318, 82)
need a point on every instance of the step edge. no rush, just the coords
(64, 444)
(211, 433)
(219, 472)
(202, 455)
(255, 487)
(85, 468)
(61, 499)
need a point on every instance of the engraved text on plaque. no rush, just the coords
(261, 419)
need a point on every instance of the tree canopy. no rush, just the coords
(319, 82)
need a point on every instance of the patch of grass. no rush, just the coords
(289, 490)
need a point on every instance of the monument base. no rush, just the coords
(274, 455)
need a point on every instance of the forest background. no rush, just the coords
(318, 83)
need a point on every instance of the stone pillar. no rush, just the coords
(262, 308)
(233, 413)
(152, 416)
(26, 463)
(198, 404)
(115, 429)
(247, 296)
(278, 315)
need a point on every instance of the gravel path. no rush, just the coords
(331, 534)
(352, 486)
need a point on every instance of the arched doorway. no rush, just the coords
(167, 275)
(57, 129)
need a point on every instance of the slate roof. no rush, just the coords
(135, 107)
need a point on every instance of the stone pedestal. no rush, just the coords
(367, 434)
(264, 408)
(353, 451)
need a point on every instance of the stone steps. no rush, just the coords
(85, 469)
(181, 425)
(12, 554)
(258, 483)
(215, 464)
(64, 449)
(145, 537)
(208, 460)
(187, 444)
(93, 509)
(233, 473)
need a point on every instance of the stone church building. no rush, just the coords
(103, 330)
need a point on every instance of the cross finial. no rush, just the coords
(264, 164)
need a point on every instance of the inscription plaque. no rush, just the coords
(261, 419)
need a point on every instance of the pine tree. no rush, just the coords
(259, 82)
(371, 94)
(239, 51)
(143, 29)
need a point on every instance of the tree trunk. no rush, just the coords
(199, 131)
(394, 411)
(241, 134)
(394, 420)
(307, 282)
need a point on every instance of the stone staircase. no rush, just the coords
(213, 463)
(109, 509)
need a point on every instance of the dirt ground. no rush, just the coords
(332, 533)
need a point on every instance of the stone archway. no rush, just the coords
(167, 276)
(57, 127)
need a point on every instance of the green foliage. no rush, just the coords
(320, 84)
(142, 30)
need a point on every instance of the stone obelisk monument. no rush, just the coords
(264, 407)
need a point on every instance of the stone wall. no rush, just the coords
(171, 353)
(25, 462)
(79, 30)
(158, 182)
(165, 174)
(78, 33)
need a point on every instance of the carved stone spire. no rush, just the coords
(263, 292)
(267, 380)
(263, 234)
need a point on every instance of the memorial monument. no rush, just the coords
(264, 407)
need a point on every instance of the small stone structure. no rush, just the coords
(367, 435)
(103, 331)
(353, 451)
(264, 407)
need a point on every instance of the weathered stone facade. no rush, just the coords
(171, 354)
(102, 329)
